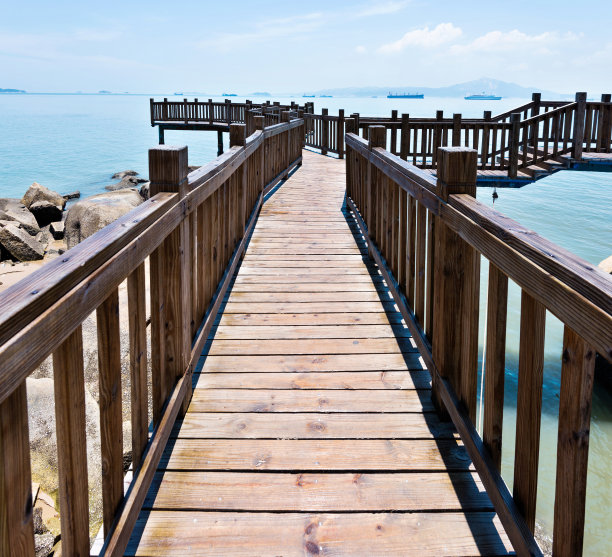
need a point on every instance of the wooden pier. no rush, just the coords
(313, 367)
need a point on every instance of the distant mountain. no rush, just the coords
(12, 91)
(485, 84)
(261, 94)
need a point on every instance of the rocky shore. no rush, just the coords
(34, 229)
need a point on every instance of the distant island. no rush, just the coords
(261, 94)
(12, 91)
(459, 90)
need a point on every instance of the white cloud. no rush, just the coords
(500, 41)
(360, 49)
(382, 8)
(425, 38)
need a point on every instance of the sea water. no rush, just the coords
(76, 142)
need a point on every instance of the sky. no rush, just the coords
(288, 47)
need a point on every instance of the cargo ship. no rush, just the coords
(405, 96)
(482, 97)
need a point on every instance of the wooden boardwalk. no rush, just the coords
(311, 429)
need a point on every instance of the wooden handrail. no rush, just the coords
(194, 230)
(403, 210)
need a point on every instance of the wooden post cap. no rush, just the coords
(456, 171)
(168, 168)
(237, 135)
(259, 122)
(377, 136)
(581, 97)
(605, 97)
(350, 125)
(536, 97)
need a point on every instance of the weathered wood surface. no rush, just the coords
(298, 409)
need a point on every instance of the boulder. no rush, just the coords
(89, 215)
(37, 192)
(20, 244)
(57, 230)
(127, 182)
(121, 175)
(72, 195)
(145, 190)
(44, 236)
(46, 212)
(15, 210)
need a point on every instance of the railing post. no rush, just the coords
(340, 133)
(578, 135)
(186, 110)
(260, 124)
(405, 136)
(456, 287)
(16, 524)
(575, 399)
(536, 99)
(152, 108)
(324, 134)
(211, 111)
(393, 145)
(237, 138)
(456, 140)
(377, 139)
(170, 284)
(165, 110)
(604, 125)
(513, 147)
(438, 135)
(487, 115)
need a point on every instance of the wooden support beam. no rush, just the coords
(111, 422)
(219, 143)
(529, 407)
(577, 373)
(69, 382)
(579, 124)
(513, 146)
(456, 140)
(456, 286)
(16, 525)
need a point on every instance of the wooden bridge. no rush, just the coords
(313, 361)
(513, 148)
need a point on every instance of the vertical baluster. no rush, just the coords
(324, 134)
(16, 524)
(68, 376)
(340, 133)
(421, 238)
(405, 136)
(495, 363)
(111, 422)
(429, 271)
(138, 362)
(577, 372)
(529, 406)
(403, 230)
(411, 256)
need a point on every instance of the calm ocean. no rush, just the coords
(76, 142)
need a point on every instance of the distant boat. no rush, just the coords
(179, 94)
(309, 96)
(482, 97)
(326, 96)
(405, 96)
(229, 95)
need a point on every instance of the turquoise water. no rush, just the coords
(70, 142)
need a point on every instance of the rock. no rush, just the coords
(46, 212)
(43, 544)
(123, 174)
(20, 244)
(89, 215)
(44, 236)
(57, 230)
(37, 192)
(39, 525)
(15, 210)
(144, 190)
(127, 182)
(73, 195)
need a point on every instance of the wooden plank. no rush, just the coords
(111, 420)
(416, 455)
(295, 535)
(16, 524)
(355, 331)
(315, 492)
(317, 362)
(309, 346)
(308, 307)
(291, 401)
(529, 407)
(577, 374)
(312, 380)
(310, 319)
(495, 360)
(237, 425)
(138, 363)
(308, 287)
(69, 386)
(309, 297)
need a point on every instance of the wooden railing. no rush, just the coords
(427, 237)
(192, 231)
(510, 142)
(210, 112)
